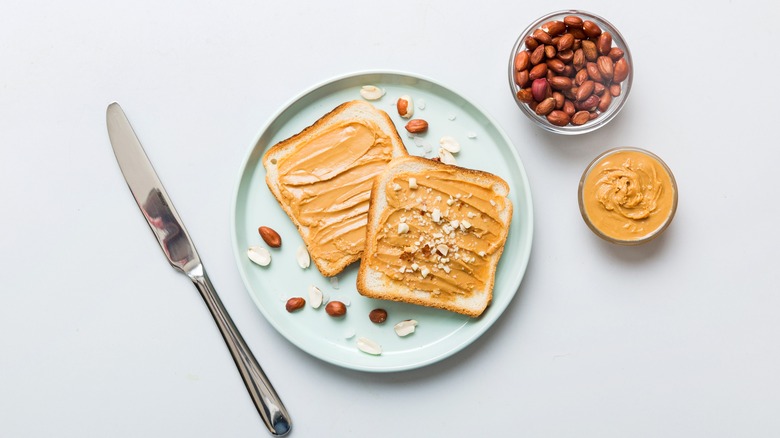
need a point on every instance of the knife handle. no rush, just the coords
(267, 402)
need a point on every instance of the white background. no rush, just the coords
(99, 337)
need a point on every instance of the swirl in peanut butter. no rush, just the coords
(331, 195)
(438, 232)
(628, 195)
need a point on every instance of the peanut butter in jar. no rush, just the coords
(628, 196)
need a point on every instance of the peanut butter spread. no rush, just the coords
(628, 195)
(330, 195)
(438, 232)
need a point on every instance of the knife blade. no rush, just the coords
(168, 229)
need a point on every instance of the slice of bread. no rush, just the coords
(322, 178)
(435, 235)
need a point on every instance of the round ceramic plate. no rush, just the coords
(440, 333)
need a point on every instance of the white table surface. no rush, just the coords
(99, 337)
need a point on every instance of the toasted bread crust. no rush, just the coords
(345, 112)
(375, 284)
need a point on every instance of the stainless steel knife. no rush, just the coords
(169, 230)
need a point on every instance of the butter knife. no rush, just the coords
(169, 230)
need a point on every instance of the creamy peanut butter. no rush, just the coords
(438, 231)
(628, 195)
(329, 194)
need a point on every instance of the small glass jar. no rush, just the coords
(627, 196)
(601, 117)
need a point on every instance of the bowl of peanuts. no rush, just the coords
(570, 72)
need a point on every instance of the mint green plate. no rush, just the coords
(439, 334)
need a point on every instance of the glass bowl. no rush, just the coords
(602, 117)
(627, 196)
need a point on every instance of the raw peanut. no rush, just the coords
(405, 106)
(590, 50)
(554, 41)
(572, 21)
(369, 346)
(522, 60)
(270, 237)
(556, 65)
(615, 53)
(539, 71)
(593, 115)
(558, 118)
(378, 316)
(545, 106)
(416, 126)
(524, 95)
(580, 118)
(568, 71)
(579, 35)
(570, 93)
(540, 88)
(568, 107)
(598, 88)
(591, 29)
(537, 55)
(531, 43)
(405, 328)
(542, 36)
(259, 255)
(579, 59)
(566, 55)
(554, 28)
(605, 67)
(581, 77)
(559, 99)
(549, 51)
(585, 90)
(621, 70)
(550, 74)
(614, 89)
(593, 72)
(588, 104)
(521, 78)
(560, 83)
(336, 309)
(295, 303)
(315, 296)
(565, 42)
(604, 43)
(604, 102)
